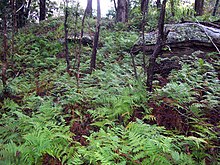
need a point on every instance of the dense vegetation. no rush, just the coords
(51, 116)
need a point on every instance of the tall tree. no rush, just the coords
(4, 57)
(13, 25)
(158, 4)
(42, 10)
(115, 5)
(172, 7)
(144, 10)
(96, 38)
(20, 12)
(158, 46)
(66, 36)
(122, 11)
(4, 10)
(215, 7)
(88, 10)
(199, 4)
(27, 9)
(144, 6)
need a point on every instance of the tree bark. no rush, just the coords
(27, 10)
(144, 6)
(42, 10)
(96, 38)
(13, 25)
(122, 11)
(66, 37)
(158, 47)
(20, 13)
(88, 10)
(215, 8)
(199, 4)
(4, 56)
(158, 4)
(144, 10)
(115, 6)
(172, 8)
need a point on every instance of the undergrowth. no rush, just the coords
(42, 103)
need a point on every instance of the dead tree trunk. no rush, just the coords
(96, 38)
(158, 4)
(5, 48)
(13, 25)
(158, 47)
(66, 38)
(215, 8)
(88, 10)
(42, 10)
(172, 8)
(199, 4)
(122, 11)
(20, 14)
(27, 10)
(115, 6)
(144, 9)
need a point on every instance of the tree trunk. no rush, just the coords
(158, 4)
(122, 11)
(13, 25)
(215, 8)
(42, 10)
(158, 47)
(144, 10)
(96, 38)
(66, 37)
(27, 10)
(88, 10)
(199, 4)
(172, 7)
(144, 6)
(4, 56)
(115, 6)
(20, 14)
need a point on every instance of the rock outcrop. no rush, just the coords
(182, 35)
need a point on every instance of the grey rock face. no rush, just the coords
(184, 32)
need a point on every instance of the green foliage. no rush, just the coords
(27, 139)
(134, 143)
(182, 93)
(42, 103)
(122, 41)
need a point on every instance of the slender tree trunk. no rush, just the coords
(26, 14)
(122, 11)
(4, 56)
(20, 13)
(128, 8)
(115, 6)
(78, 53)
(96, 38)
(199, 4)
(144, 6)
(158, 47)
(42, 10)
(66, 37)
(172, 7)
(76, 20)
(144, 9)
(158, 4)
(134, 65)
(88, 10)
(215, 8)
(13, 25)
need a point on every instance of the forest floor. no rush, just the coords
(107, 117)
